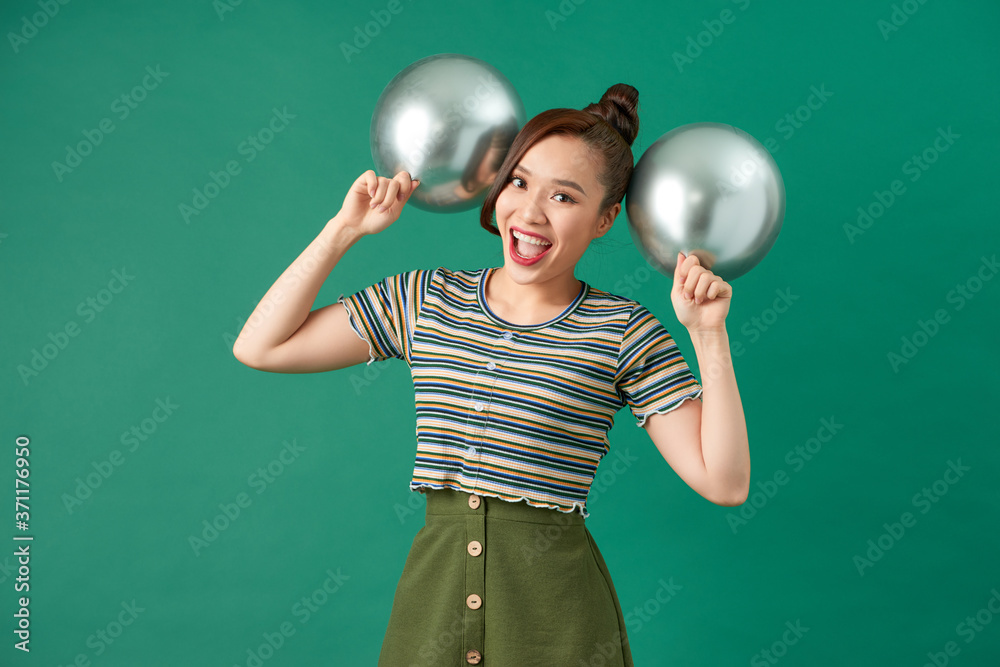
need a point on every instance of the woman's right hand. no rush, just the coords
(375, 202)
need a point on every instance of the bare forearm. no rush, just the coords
(725, 446)
(287, 304)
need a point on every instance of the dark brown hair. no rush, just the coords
(608, 128)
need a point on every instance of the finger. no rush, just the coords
(701, 283)
(704, 291)
(390, 195)
(404, 181)
(691, 282)
(371, 182)
(405, 195)
(700, 291)
(383, 185)
(679, 271)
(692, 270)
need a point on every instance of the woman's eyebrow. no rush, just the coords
(568, 184)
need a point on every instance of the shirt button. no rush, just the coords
(473, 657)
(507, 335)
(478, 406)
(474, 500)
(470, 451)
(474, 601)
(475, 548)
(491, 365)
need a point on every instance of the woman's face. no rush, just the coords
(552, 193)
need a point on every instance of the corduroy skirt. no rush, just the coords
(503, 584)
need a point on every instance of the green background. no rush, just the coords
(337, 506)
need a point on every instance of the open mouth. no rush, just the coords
(527, 249)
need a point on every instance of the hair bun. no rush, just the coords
(619, 107)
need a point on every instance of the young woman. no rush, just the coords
(518, 372)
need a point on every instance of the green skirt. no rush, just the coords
(503, 584)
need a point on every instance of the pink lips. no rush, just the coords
(537, 236)
(517, 258)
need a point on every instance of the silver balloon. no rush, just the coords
(707, 189)
(449, 120)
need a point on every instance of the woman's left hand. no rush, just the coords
(710, 295)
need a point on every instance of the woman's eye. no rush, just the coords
(568, 200)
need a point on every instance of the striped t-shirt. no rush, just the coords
(511, 411)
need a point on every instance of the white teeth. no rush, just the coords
(529, 239)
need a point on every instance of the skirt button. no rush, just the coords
(474, 601)
(474, 501)
(473, 657)
(475, 548)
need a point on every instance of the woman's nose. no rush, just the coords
(531, 211)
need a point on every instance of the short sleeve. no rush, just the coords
(652, 374)
(385, 313)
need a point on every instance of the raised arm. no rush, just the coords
(706, 441)
(282, 335)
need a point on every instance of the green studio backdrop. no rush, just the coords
(188, 510)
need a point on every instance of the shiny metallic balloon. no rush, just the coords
(448, 120)
(707, 189)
